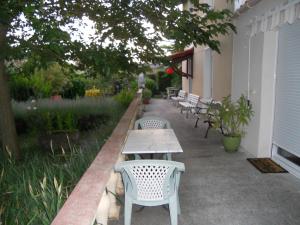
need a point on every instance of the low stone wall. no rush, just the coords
(89, 201)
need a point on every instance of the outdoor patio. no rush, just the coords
(219, 188)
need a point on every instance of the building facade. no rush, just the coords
(261, 61)
(211, 70)
(266, 68)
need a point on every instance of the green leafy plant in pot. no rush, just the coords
(146, 95)
(232, 117)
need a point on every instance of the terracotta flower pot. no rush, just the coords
(231, 144)
(146, 101)
(56, 97)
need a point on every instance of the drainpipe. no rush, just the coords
(248, 76)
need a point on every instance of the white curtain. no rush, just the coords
(282, 14)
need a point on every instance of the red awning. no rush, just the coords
(181, 56)
(178, 57)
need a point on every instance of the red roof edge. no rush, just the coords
(183, 55)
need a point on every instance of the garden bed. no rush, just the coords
(33, 190)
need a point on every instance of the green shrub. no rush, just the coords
(75, 89)
(150, 84)
(134, 85)
(56, 78)
(176, 80)
(41, 87)
(46, 115)
(54, 121)
(125, 97)
(44, 83)
(147, 94)
(164, 81)
(20, 87)
(23, 87)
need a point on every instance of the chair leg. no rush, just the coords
(222, 130)
(169, 156)
(196, 124)
(137, 157)
(178, 206)
(187, 113)
(173, 210)
(206, 134)
(128, 211)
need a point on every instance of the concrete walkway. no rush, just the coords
(219, 188)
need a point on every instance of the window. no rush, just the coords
(289, 156)
(189, 69)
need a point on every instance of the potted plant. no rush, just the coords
(231, 117)
(146, 95)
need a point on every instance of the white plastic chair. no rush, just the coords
(152, 122)
(151, 183)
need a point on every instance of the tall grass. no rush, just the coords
(33, 190)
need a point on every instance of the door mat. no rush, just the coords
(266, 165)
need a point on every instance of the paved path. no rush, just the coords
(219, 188)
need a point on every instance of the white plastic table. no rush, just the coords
(151, 141)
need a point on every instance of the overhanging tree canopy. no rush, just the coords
(129, 29)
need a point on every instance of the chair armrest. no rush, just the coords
(198, 109)
(181, 167)
(118, 167)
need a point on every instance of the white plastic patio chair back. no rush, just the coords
(152, 122)
(151, 183)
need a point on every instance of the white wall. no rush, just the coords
(267, 93)
(254, 75)
(256, 52)
(221, 63)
